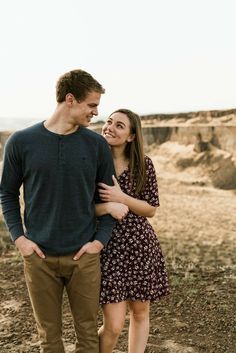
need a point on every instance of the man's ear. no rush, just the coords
(69, 98)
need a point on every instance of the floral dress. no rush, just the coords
(132, 263)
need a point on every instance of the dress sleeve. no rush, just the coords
(150, 192)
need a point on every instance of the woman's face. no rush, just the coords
(117, 130)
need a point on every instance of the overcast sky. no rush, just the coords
(152, 56)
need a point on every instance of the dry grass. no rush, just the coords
(197, 229)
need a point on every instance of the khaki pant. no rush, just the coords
(46, 280)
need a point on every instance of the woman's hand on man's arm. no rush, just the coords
(116, 209)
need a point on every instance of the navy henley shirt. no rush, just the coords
(59, 174)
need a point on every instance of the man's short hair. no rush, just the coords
(77, 82)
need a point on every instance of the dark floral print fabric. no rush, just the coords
(132, 263)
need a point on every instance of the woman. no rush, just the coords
(133, 270)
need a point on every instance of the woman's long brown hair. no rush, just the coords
(134, 151)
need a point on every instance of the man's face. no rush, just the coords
(83, 111)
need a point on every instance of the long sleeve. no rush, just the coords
(11, 181)
(106, 169)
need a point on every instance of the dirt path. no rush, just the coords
(197, 229)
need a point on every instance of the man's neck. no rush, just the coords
(60, 124)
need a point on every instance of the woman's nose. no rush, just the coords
(110, 127)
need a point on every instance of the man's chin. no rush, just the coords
(85, 124)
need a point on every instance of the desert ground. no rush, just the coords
(196, 226)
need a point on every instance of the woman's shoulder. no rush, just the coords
(148, 161)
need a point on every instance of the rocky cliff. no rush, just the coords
(216, 125)
(223, 137)
(199, 147)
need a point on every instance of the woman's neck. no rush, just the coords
(118, 153)
(120, 161)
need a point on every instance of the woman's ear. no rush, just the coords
(131, 138)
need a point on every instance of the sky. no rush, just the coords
(152, 56)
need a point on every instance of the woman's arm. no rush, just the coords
(115, 194)
(116, 209)
(139, 207)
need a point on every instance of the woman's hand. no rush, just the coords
(111, 193)
(117, 210)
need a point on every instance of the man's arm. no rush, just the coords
(11, 181)
(105, 222)
(105, 171)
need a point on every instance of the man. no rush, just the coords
(59, 162)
